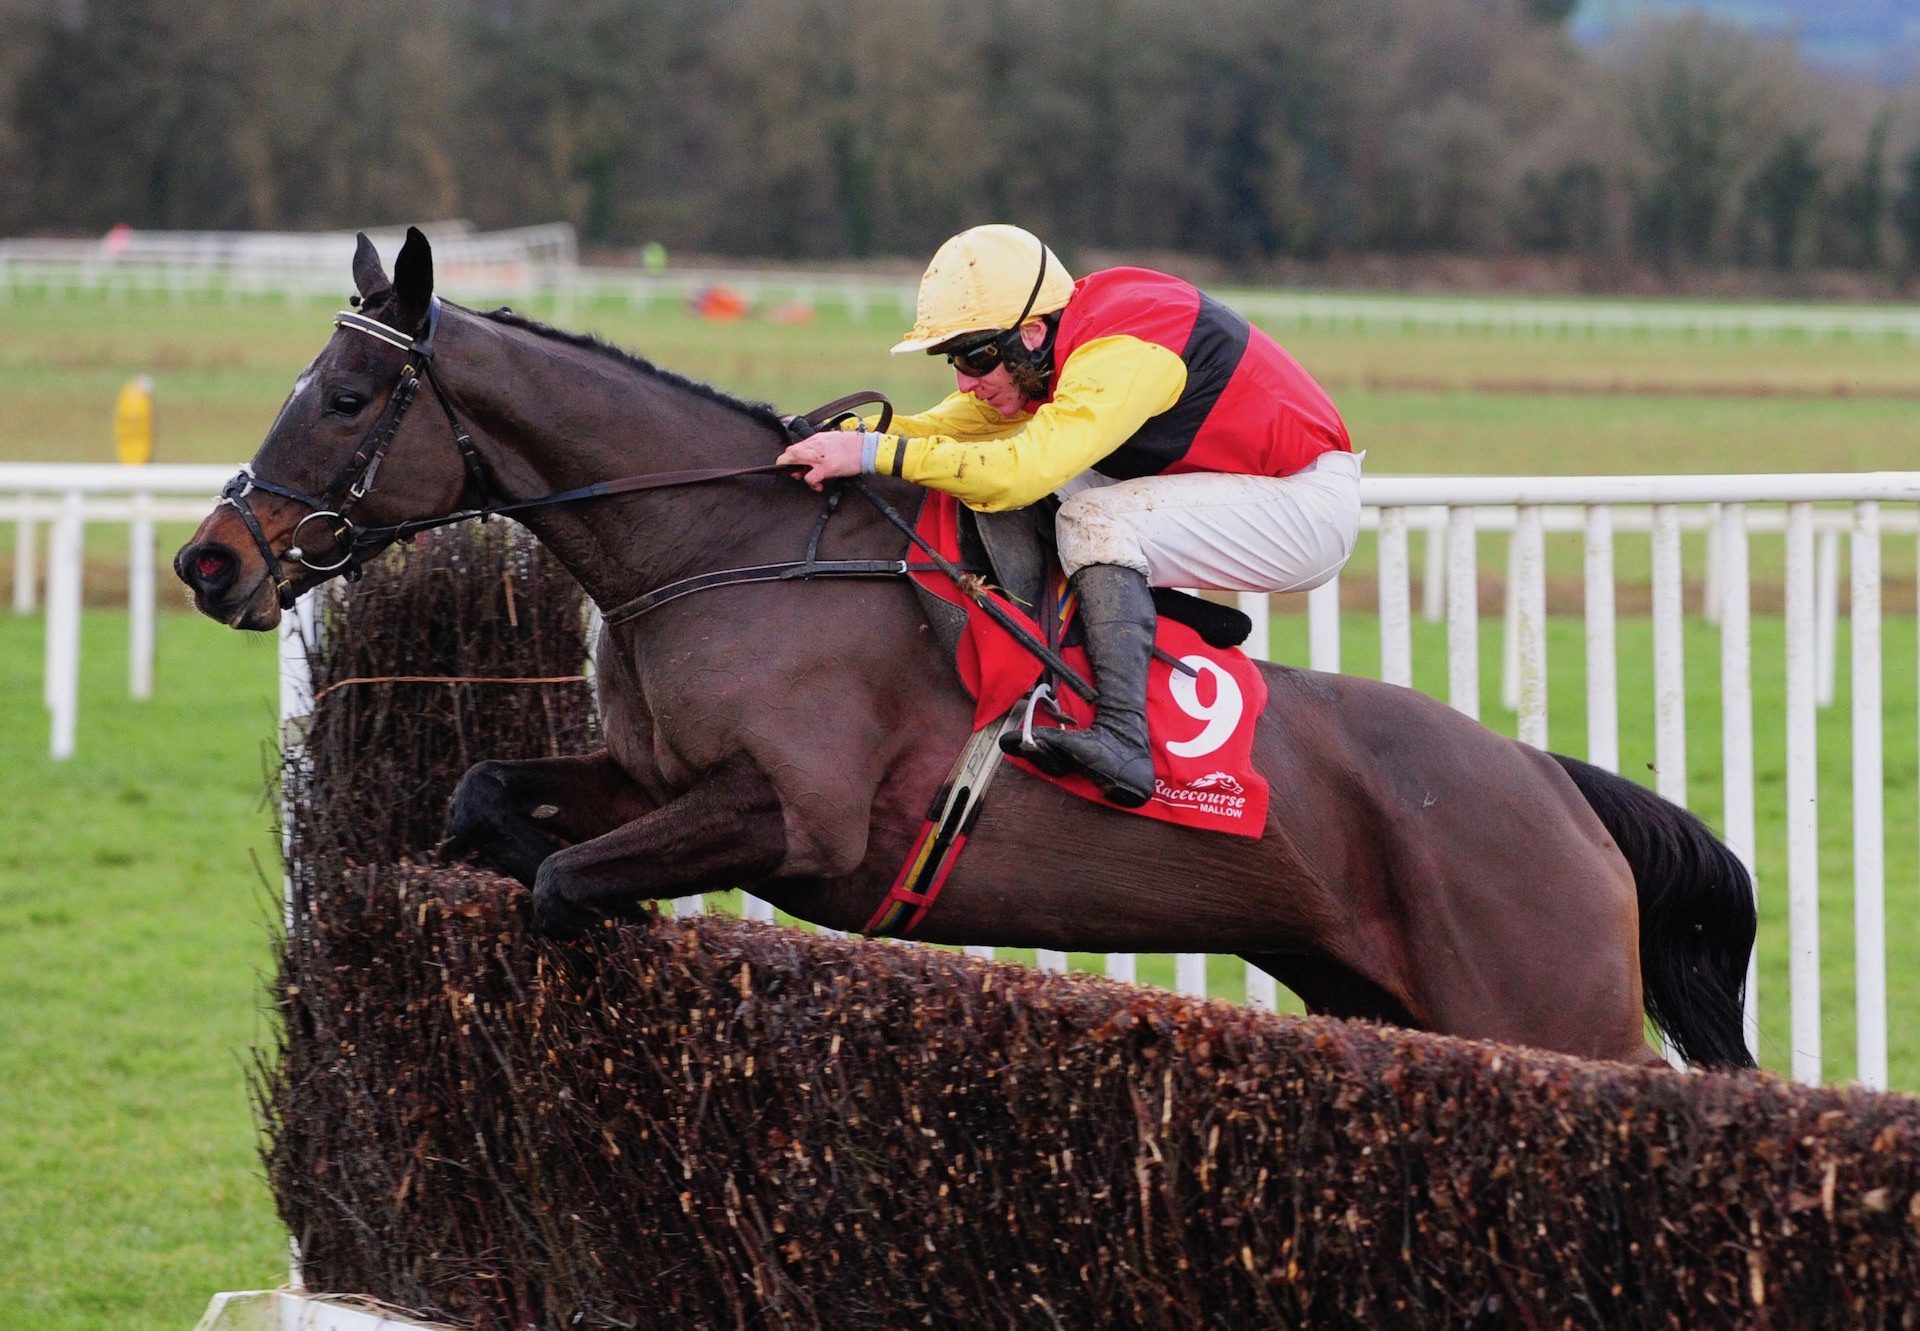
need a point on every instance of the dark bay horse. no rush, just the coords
(1416, 867)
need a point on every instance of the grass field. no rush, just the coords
(132, 939)
(1459, 403)
(133, 917)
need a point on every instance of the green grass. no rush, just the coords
(132, 936)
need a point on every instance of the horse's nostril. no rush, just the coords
(206, 568)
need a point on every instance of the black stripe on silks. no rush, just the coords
(1212, 354)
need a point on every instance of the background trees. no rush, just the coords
(1250, 131)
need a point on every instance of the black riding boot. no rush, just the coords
(1116, 614)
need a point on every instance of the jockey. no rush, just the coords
(1188, 450)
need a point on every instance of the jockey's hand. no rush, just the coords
(826, 455)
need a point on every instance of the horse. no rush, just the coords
(787, 735)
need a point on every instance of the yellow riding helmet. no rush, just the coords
(983, 279)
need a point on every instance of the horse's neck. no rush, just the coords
(558, 417)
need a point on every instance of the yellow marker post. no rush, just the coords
(133, 441)
(133, 422)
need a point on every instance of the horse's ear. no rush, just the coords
(368, 275)
(413, 282)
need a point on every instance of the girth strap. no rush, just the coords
(956, 807)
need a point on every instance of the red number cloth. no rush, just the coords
(1201, 727)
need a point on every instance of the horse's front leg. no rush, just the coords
(514, 814)
(726, 830)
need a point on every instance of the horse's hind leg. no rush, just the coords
(514, 814)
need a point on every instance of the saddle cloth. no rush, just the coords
(1200, 724)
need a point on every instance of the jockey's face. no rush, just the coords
(996, 388)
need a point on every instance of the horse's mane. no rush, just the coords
(758, 411)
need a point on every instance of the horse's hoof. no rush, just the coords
(556, 917)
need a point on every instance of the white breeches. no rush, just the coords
(1216, 532)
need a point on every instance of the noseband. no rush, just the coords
(357, 477)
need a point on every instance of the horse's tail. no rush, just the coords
(1697, 917)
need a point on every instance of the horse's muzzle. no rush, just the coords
(213, 573)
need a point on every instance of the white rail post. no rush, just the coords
(1710, 596)
(1434, 573)
(1603, 702)
(1869, 847)
(1736, 722)
(1190, 974)
(1529, 593)
(1122, 966)
(1258, 608)
(1827, 614)
(1263, 992)
(299, 634)
(26, 545)
(1803, 809)
(1669, 659)
(140, 593)
(1323, 626)
(1463, 614)
(1052, 962)
(1396, 612)
(65, 569)
(1510, 626)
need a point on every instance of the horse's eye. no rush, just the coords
(346, 404)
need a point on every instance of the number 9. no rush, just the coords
(1222, 715)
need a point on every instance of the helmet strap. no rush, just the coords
(1034, 294)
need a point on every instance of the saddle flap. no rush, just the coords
(1018, 549)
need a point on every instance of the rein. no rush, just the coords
(362, 469)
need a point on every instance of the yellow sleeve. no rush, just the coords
(1107, 390)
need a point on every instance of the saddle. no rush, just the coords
(1015, 553)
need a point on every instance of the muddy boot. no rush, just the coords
(1116, 614)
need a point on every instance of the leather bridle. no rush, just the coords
(334, 505)
(362, 469)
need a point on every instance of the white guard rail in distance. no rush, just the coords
(179, 265)
(69, 495)
(544, 259)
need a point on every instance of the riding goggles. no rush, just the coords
(980, 359)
